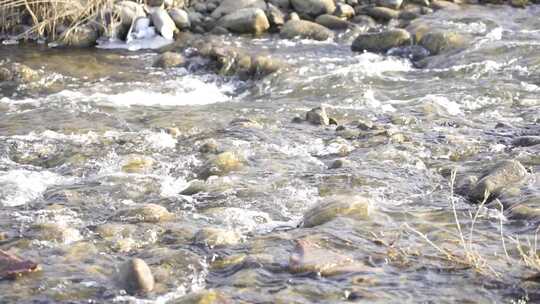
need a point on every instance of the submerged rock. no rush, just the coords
(313, 8)
(502, 176)
(12, 266)
(318, 116)
(58, 232)
(246, 21)
(335, 206)
(438, 42)
(221, 164)
(339, 163)
(526, 141)
(17, 72)
(169, 60)
(381, 42)
(305, 30)
(149, 213)
(217, 237)
(136, 277)
(204, 297)
(310, 257)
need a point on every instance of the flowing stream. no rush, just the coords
(103, 131)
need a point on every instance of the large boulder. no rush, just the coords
(128, 11)
(163, 23)
(230, 6)
(180, 18)
(284, 4)
(441, 41)
(381, 42)
(306, 30)
(495, 180)
(275, 16)
(313, 8)
(82, 36)
(246, 21)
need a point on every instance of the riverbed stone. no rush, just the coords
(128, 11)
(353, 206)
(305, 30)
(180, 18)
(382, 13)
(318, 116)
(282, 4)
(246, 21)
(393, 4)
(364, 20)
(146, 213)
(444, 5)
(204, 297)
(332, 22)
(231, 6)
(382, 41)
(82, 36)
(170, 60)
(344, 10)
(163, 23)
(495, 180)
(441, 41)
(221, 164)
(275, 16)
(136, 277)
(313, 8)
(215, 237)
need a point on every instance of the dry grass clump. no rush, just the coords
(525, 256)
(48, 18)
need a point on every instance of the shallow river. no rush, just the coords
(104, 132)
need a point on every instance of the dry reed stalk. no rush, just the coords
(49, 15)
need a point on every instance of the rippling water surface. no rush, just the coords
(104, 132)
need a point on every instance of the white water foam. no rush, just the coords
(371, 64)
(18, 187)
(151, 43)
(160, 140)
(186, 90)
